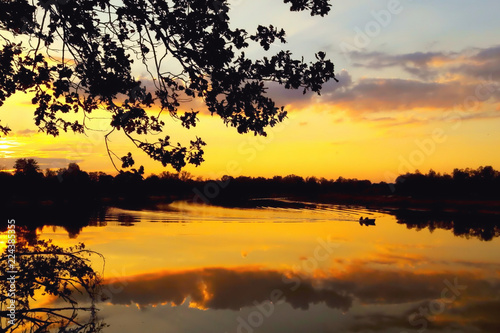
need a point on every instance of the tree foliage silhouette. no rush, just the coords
(56, 272)
(82, 52)
(27, 167)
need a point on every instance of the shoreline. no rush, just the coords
(384, 202)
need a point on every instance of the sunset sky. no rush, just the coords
(419, 89)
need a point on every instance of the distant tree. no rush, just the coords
(486, 173)
(153, 178)
(432, 174)
(50, 173)
(293, 179)
(73, 168)
(341, 180)
(81, 54)
(73, 175)
(226, 179)
(278, 178)
(169, 175)
(312, 180)
(130, 177)
(185, 176)
(27, 167)
(323, 181)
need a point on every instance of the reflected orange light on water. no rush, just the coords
(193, 236)
(189, 260)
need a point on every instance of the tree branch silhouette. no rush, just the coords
(58, 273)
(190, 37)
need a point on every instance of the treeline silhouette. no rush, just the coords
(465, 201)
(481, 183)
(71, 185)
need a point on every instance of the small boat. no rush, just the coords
(366, 221)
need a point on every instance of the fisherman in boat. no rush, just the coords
(366, 221)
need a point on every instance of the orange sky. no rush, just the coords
(404, 102)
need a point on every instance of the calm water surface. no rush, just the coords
(196, 268)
